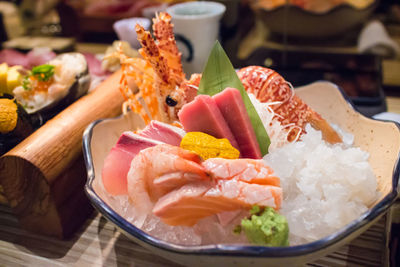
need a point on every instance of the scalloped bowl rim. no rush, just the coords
(334, 9)
(236, 250)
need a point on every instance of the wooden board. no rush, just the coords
(43, 177)
(98, 243)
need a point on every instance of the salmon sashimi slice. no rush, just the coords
(245, 170)
(157, 170)
(192, 202)
(177, 186)
(170, 181)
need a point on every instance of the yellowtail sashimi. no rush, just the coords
(118, 161)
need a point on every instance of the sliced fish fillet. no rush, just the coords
(192, 202)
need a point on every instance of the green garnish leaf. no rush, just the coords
(26, 84)
(43, 72)
(220, 74)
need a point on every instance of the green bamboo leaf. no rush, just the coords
(219, 74)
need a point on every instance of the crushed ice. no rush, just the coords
(325, 186)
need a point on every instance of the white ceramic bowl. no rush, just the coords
(381, 139)
(125, 29)
(297, 22)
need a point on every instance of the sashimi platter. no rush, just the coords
(234, 157)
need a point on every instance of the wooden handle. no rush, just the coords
(41, 173)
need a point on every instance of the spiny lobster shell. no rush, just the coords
(162, 86)
(268, 86)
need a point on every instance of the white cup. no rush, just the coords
(196, 28)
(375, 39)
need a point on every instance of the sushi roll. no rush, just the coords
(54, 85)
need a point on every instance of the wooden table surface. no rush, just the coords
(393, 104)
(98, 243)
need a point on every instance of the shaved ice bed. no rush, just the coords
(206, 231)
(325, 187)
(276, 132)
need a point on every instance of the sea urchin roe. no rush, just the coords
(208, 146)
(8, 115)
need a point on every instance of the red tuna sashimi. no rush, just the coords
(163, 132)
(203, 115)
(118, 161)
(192, 202)
(232, 108)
